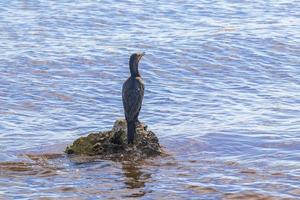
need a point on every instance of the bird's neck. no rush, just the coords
(136, 75)
(134, 70)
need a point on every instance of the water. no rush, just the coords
(222, 94)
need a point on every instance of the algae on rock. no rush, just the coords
(113, 143)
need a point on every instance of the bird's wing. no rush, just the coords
(141, 93)
(133, 93)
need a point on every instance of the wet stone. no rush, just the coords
(113, 144)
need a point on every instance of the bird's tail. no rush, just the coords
(131, 131)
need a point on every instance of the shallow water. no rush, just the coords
(222, 94)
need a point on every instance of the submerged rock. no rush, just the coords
(113, 144)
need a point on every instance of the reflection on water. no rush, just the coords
(135, 178)
(222, 94)
(172, 177)
(133, 175)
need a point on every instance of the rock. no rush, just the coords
(113, 144)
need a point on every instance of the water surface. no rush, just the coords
(222, 85)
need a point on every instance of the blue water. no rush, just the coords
(222, 93)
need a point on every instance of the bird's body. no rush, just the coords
(132, 95)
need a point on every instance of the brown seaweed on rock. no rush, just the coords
(113, 144)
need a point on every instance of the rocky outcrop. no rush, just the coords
(113, 144)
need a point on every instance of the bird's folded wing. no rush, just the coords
(132, 99)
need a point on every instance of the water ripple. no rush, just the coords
(222, 94)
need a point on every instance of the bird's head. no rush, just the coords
(134, 62)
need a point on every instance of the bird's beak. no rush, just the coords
(141, 55)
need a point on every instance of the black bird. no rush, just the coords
(132, 95)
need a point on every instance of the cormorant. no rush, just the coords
(132, 95)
